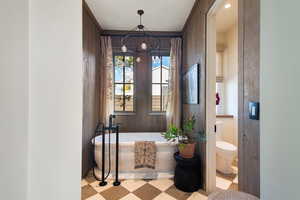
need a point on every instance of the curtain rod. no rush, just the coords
(139, 35)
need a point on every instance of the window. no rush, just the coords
(123, 83)
(160, 82)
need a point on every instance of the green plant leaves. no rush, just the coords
(172, 133)
(184, 135)
(189, 125)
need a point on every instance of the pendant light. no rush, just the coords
(138, 59)
(144, 46)
(148, 43)
(124, 48)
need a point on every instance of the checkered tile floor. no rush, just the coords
(226, 182)
(161, 189)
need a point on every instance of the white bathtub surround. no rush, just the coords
(165, 163)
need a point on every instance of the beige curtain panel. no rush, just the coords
(106, 79)
(174, 96)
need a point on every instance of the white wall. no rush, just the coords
(280, 69)
(55, 100)
(228, 130)
(230, 70)
(13, 99)
(229, 102)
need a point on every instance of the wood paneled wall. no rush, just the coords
(91, 84)
(194, 48)
(249, 68)
(194, 51)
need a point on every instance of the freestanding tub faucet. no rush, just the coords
(102, 130)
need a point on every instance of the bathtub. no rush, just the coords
(165, 163)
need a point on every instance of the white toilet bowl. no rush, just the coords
(226, 152)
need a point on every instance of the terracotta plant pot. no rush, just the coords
(187, 151)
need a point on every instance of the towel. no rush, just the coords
(139, 154)
(145, 154)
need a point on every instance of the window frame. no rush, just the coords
(160, 54)
(124, 112)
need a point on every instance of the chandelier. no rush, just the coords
(148, 43)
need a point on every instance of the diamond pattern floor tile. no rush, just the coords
(160, 189)
(115, 193)
(147, 192)
(197, 196)
(84, 183)
(234, 187)
(178, 194)
(87, 191)
(164, 196)
(96, 197)
(90, 178)
(130, 197)
(132, 185)
(162, 184)
(98, 188)
(222, 183)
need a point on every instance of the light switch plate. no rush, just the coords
(254, 110)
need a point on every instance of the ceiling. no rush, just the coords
(160, 15)
(227, 17)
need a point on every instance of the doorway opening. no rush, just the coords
(222, 95)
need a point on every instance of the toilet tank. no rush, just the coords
(219, 131)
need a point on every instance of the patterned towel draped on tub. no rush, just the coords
(145, 154)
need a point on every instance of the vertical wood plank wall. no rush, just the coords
(194, 51)
(91, 84)
(249, 134)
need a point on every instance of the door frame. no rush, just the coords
(211, 95)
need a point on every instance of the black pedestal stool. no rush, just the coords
(187, 173)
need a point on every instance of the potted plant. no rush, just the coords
(185, 137)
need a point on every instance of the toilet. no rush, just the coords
(225, 151)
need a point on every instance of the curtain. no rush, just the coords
(173, 113)
(106, 79)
